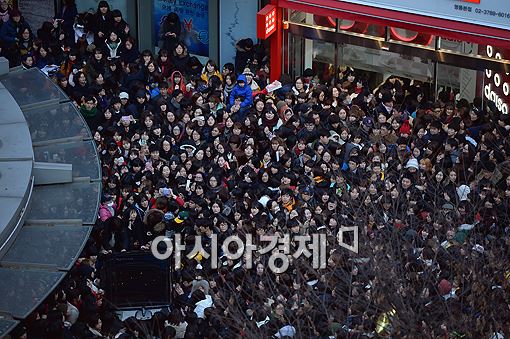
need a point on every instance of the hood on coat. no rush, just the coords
(242, 77)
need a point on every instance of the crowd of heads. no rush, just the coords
(200, 150)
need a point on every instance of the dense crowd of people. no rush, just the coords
(202, 150)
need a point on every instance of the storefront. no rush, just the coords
(442, 43)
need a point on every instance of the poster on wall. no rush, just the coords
(194, 17)
(36, 12)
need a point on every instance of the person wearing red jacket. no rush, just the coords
(177, 81)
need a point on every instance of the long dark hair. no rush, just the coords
(172, 19)
(103, 3)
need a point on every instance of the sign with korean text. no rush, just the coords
(194, 17)
(491, 13)
(266, 22)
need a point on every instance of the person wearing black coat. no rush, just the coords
(81, 88)
(129, 51)
(96, 65)
(119, 25)
(115, 236)
(244, 53)
(102, 22)
(194, 67)
(140, 105)
(136, 229)
(170, 32)
(48, 33)
(180, 57)
(68, 14)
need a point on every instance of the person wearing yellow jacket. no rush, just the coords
(211, 69)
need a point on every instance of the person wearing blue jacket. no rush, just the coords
(11, 29)
(9, 34)
(243, 92)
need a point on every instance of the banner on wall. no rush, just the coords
(491, 13)
(194, 16)
(36, 12)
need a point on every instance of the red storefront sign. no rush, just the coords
(266, 22)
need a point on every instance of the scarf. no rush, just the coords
(229, 89)
(290, 205)
(318, 179)
(88, 114)
(270, 123)
(113, 44)
(4, 16)
(263, 322)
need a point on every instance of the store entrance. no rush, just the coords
(376, 65)
(372, 65)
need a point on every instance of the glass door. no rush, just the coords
(296, 50)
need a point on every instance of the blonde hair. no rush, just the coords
(427, 163)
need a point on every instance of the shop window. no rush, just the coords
(325, 21)
(385, 62)
(361, 28)
(323, 60)
(296, 16)
(406, 35)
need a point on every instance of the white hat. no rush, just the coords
(123, 95)
(247, 71)
(412, 163)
